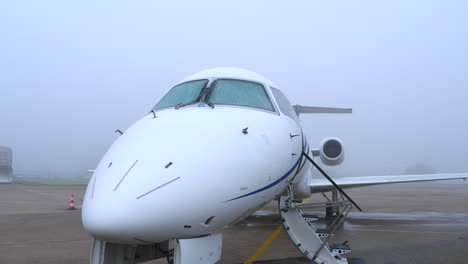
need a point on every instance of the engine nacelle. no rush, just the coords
(331, 151)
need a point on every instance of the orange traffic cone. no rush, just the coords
(71, 205)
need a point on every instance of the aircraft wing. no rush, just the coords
(320, 184)
(301, 109)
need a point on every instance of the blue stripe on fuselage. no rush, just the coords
(304, 146)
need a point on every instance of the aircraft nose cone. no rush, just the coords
(115, 224)
(161, 176)
(127, 207)
(105, 224)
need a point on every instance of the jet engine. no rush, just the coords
(331, 151)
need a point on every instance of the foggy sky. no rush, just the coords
(73, 72)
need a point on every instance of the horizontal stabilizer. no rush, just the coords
(300, 109)
(319, 184)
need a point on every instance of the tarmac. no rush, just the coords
(401, 223)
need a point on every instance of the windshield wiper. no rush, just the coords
(177, 106)
(210, 104)
(180, 105)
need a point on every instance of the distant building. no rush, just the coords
(6, 165)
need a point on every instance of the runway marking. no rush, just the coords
(267, 242)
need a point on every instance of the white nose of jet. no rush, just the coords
(134, 189)
(162, 179)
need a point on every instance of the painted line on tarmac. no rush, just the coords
(267, 242)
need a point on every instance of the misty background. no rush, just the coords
(71, 73)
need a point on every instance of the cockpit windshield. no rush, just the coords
(238, 92)
(184, 93)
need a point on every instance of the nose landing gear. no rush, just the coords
(205, 249)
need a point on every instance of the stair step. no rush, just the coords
(341, 246)
(323, 230)
(338, 249)
(310, 217)
(304, 235)
(355, 261)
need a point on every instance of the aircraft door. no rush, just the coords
(296, 140)
(295, 133)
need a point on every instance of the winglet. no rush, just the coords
(300, 109)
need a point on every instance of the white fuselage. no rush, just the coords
(191, 171)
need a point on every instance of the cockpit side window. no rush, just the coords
(284, 104)
(239, 92)
(183, 93)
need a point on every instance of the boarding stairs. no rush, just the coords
(313, 242)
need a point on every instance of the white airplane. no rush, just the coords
(218, 146)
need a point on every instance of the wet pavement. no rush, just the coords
(401, 223)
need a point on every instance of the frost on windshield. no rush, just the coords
(183, 93)
(242, 93)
